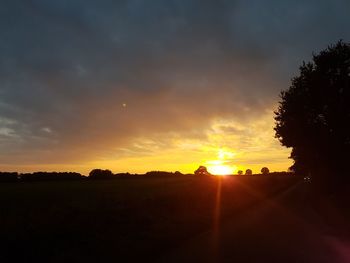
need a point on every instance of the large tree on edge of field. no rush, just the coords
(313, 116)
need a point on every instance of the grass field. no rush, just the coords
(121, 219)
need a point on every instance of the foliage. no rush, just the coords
(162, 173)
(265, 171)
(8, 176)
(314, 114)
(49, 176)
(248, 172)
(132, 220)
(100, 174)
(202, 170)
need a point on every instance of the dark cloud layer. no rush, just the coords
(67, 68)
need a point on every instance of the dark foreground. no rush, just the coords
(185, 219)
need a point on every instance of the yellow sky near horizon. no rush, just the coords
(235, 145)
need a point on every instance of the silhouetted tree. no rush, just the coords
(248, 172)
(240, 172)
(202, 170)
(314, 115)
(100, 174)
(265, 171)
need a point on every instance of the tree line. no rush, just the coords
(202, 170)
(97, 174)
(94, 174)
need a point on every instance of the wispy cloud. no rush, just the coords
(188, 72)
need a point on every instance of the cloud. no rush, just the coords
(68, 67)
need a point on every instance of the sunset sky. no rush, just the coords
(152, 85)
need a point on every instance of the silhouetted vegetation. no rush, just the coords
(49, 176)
(202, 170)
(163, 173)
(107, 174)
(265, 171)
(101, 174)
(282, 174)
(123, 220)
(123, 174)
(248, 172)
(144, 217)
(314, 115)
(8, 176)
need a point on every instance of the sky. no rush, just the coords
(140, 85)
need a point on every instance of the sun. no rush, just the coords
(221, 169)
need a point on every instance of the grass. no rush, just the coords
(120, 219)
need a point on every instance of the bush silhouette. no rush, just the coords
(8, 176)
(202, 170)
(50, 176)
(248, 172)
(265, 171)
(100, 174)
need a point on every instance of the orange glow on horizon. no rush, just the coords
(221, 169)
(228, 146)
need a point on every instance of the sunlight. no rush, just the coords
(221, 169)
(220, 166)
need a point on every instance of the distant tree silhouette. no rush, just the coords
(163, 173)
(314, 115)
(265, 171)
(100, 174)
(248, 172)
(202, 170)
(8, 176)
(124, 175)
(240, 172)
(50, 176)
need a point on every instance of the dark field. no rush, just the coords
(183, 219)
